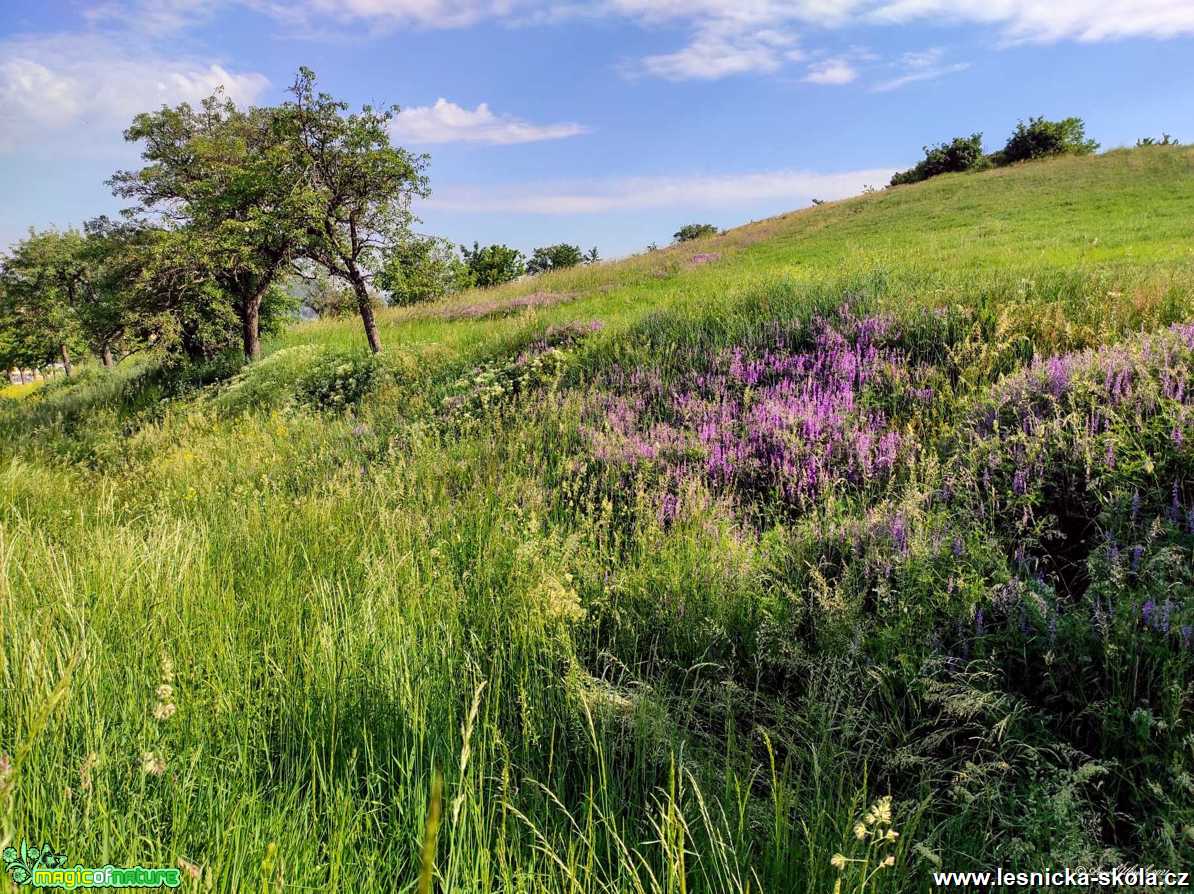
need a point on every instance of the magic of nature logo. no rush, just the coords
(45, 867)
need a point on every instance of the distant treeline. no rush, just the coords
(235, 218)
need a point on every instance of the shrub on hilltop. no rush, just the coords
(1041, 138)
(958, 155)
(689, 232)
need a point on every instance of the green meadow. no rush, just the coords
(553, 596)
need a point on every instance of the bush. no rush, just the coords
(960, 154)
(559, 257)
(305, 375)
(1040, 138)
(493, 264)
(423, 268)
(688, 232)
(1166, 140)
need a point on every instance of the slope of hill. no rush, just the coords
(859, 536)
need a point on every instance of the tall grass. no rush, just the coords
(407, 649)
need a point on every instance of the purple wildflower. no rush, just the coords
(899, 534)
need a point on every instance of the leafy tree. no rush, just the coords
(36, 284)
(422, 268)
(591, 257)
(1040, 138)
(357, 189)
(100, 277)
(694, 231)
(493, 264)
(323, 295)
(555, 257)
(230, 176)
(958, 155)
(182, 304)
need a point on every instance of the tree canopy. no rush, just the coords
(354, 204)
(233, 179)
(493, 264)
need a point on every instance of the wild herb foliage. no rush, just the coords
(608, 619)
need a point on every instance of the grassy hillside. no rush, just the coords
(658, 575)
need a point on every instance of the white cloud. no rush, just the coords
(720, 49)
(831, 71)
(925, 65)
(640, 193)
(425, 13)
(1047, 22)
(88, 88)
(446, 122)
(1027, 19)
(155, 17)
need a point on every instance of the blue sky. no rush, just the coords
(600, 122)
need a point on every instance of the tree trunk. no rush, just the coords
(365, 306)
(250, 322)
(66, 364)
(24, 378)
(106, 356)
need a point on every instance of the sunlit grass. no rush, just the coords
(349, 606)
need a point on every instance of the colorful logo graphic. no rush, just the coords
(44, 867)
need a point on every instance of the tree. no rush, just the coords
(958, 155)
(1040, 138)
(230, 177)
(105, 265)
(36, 282)
(357, 190)
(422, 268)
(555, 257)
(688, 232)
(182, 304)
(592, 257)
(493, 264)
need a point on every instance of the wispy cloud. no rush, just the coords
(1048, 22)
(831, 71)
(720, 49)
(641, 193)
(926, 65)
(732, 37)
(446, 122)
